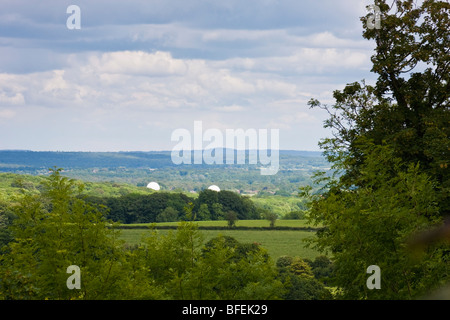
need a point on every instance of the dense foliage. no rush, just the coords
(108, 192)
(171, 206)
(142, 208)
(390, 147)
(56, 228)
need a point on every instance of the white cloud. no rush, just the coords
(313, 61)
(232, 108)
(138, 69)
(138, 63)
(137, 81)
(7, 114)
(14, 99)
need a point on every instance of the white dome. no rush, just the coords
(214, 188)
(154, 186)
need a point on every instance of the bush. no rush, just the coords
(284, 261)
(298, 280)
(294, 215)
(322, 268)
(299, 288)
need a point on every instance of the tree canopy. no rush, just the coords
(390, 148)
(57, 229)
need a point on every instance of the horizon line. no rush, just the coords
(162, 150)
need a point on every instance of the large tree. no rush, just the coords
(390, 148)
(373, 223)
(408, 107)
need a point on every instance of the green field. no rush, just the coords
(239, 223)
(277, 242)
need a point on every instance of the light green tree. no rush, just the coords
(301, 268)
(56, 230)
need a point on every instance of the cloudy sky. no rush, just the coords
(139, 69)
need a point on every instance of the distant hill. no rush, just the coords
(36, 160)
(139, 168)
(29, 161)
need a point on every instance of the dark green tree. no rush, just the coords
(408, 108)
(231, 218)
(298, 281)
(322, 268)
(169, 214)
(372, 224)
(6, 218)
(208, 197)
(232, 201)
(271, 217)
(390, 151)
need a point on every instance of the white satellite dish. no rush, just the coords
(214, 188)
(153, 186)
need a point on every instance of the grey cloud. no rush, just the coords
(138, 69)
(249, 14)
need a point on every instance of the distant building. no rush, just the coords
(214, 188)
(154, 186)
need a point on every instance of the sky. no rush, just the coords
(137, 70)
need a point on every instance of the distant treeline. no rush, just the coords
(16, 160)
(34, 160)
(168, 207)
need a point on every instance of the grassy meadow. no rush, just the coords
(277, 242)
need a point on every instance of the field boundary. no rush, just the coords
(285, 228)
